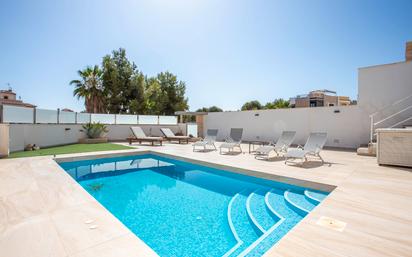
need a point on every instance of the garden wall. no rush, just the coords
(45, 135)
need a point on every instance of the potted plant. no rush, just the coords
(94, 133)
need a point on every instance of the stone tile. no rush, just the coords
(12, 182)
(22, 204)
(77, 236)
(34, 237)
(125, 246)
(350, 242)
(61, 191)
(374, 202)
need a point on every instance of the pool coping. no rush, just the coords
(289, 180)
(356, 202)
(248, 172)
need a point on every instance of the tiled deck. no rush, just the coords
(43, 212)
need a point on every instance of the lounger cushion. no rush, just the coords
(179, 137)
(149, 138)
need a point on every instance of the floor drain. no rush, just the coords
(331, 223)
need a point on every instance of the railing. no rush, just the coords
(391, 116)
(25, 115)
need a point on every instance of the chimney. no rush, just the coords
(408, 51)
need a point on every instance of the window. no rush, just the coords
(331, 104)
(6, 97)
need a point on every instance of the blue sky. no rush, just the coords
(227, 52)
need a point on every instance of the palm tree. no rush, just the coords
(90, 88)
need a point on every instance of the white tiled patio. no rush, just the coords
(44, 212)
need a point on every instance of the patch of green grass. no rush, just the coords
(75, 148)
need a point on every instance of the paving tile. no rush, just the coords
(34, 237)
(125, 246)
(76, 235)
(22, 204)
(374, 201)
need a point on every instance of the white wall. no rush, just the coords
(381, 85)
(45, 135)
(42, 135)
(381, 90)
(346, 129)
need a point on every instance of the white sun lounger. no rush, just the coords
(281, 146)
(313, 146)
(209, 140)
(234, 140)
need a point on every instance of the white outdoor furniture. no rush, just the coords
(281, 146)
(313, 146)
(209, 140)
(234, 140)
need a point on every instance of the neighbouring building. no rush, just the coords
(318, 98)
(408, 51)
(8, 97)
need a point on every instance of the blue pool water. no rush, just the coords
(183, 209)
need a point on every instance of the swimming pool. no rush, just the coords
(184, 209)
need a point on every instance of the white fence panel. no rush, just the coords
(17, 114)
(148, 119)
(168, 120)
(192, 129)
(126, 119)
(103, 118)
(83, 117)
(46, 116)
(67, 117)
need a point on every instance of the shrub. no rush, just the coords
(95, 130)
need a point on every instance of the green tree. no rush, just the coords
(137, 94)
(90, 87)
(210, 109)
(123, 84)
(121, 88)
(173, 94)
(251, 105)
(154, 97)
(277, 104)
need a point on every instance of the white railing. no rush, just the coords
(25, 115)
(391, 116)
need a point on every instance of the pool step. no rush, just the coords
(298, 202)
(260, 218)
(314, 196)
(240, 224)
(289, 217)
(259, 213)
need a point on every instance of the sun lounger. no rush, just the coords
(234, 140)
(140, 136)
(168, 133)
(209, 140)
(313, 146)
(280, 147)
